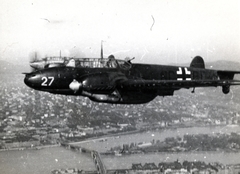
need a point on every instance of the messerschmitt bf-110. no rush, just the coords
(110, 80)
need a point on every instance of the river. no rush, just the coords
(48, 159)
(106, 143)
(43, 161)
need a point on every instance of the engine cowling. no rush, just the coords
(104, 98)
(121, 98)
(104, 83)
(99, 84)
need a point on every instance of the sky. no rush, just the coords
(152, 31)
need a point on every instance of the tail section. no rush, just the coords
(228, 79)
(197, 62)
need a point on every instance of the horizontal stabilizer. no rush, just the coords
(227, 75)
(197, 62)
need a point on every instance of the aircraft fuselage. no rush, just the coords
(139, 84)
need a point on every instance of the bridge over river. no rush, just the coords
(101, 169)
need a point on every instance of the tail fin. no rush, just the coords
(197, 62)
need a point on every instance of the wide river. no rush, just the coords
(48, 159)
(43, 161)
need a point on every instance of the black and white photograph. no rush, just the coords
(120, 87)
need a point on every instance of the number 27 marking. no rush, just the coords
(47, 81)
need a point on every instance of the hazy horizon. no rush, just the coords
(161, 32)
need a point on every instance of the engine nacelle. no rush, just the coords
(99, 83)
(104, 98)
(94, 84)
(130, 98)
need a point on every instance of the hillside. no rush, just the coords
(10, 68)
(223, 65)
(5, 66)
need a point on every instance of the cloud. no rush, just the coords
(179, 27)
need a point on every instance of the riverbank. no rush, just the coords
(29, 148)
(122, 162)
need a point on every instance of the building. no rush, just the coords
(172, 167)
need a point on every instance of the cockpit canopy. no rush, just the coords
(109, 62)
(102, 63)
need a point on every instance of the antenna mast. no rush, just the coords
(101, 50)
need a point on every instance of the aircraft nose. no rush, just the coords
(31, 80)
(26, 80)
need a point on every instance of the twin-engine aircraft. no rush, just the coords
(110, 80)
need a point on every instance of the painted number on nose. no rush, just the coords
(47, 81)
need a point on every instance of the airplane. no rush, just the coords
(111, 80)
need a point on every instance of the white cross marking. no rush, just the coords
(179, 72)
(188, 73)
